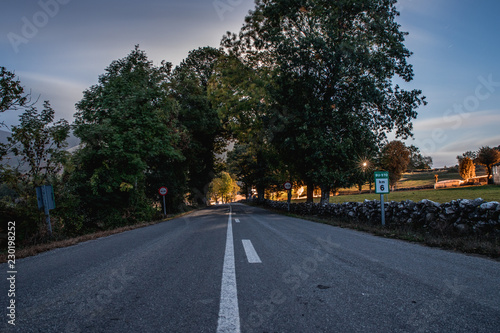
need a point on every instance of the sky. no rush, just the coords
(58, 49)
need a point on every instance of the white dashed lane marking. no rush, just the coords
(229, 315)
(252, 256)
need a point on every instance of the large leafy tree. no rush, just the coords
(417, 161)
(333, 62)
(200, 119)
(395, 158)
(131, 141)
(488, 157)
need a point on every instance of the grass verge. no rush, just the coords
(39, 248)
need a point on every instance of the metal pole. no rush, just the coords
(45, 197)
(289, 199)
(382, 208)
(49, 225)
(164, 206)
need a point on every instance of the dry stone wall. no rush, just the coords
(458, 216)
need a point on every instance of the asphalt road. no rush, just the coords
(238, 268)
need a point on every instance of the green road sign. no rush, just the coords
(381, 182)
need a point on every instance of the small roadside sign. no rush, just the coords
(382, 187)
(163, 191)
(45, 197)
(382, 182)
(46, 201)
(287, 186)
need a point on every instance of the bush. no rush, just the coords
(467, 169)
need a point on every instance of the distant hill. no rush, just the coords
(13, 161)
(72, 141)
(3, 136)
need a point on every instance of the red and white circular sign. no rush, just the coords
(163, 190)
(287, 186)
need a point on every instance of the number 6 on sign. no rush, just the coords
(381, 182)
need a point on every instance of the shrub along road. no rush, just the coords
(239, 268)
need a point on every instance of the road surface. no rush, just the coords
(235, 268)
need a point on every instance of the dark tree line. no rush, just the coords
(304, 91)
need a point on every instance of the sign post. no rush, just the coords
(46, 201)
(163, 192)
(288, 187)
(382, 187)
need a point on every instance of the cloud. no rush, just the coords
(471, 143)
(62, 92)
(449, 135)
(451, 120)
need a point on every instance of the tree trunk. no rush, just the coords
(325, 194)
(260, 193)
(310, 192)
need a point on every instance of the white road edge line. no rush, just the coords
(229, 314)
(252, 256)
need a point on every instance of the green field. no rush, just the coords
(418, 179)
(487, 192)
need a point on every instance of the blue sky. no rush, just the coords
(58, 48)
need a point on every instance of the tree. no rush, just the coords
(215, 189)
(255, 167)
(40, 143)
(332, 66)
(488, 157)
(417, 161)
(395, 158)
(238, 91)
(189, 87)
(12, 96)
(470, 154)
(224, 187)
(131, 140)
(466, 169)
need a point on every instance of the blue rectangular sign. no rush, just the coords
(45, 197)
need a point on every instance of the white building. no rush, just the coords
(496, 174)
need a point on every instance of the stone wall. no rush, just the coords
(461, 216)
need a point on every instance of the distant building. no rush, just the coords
(496, 174)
